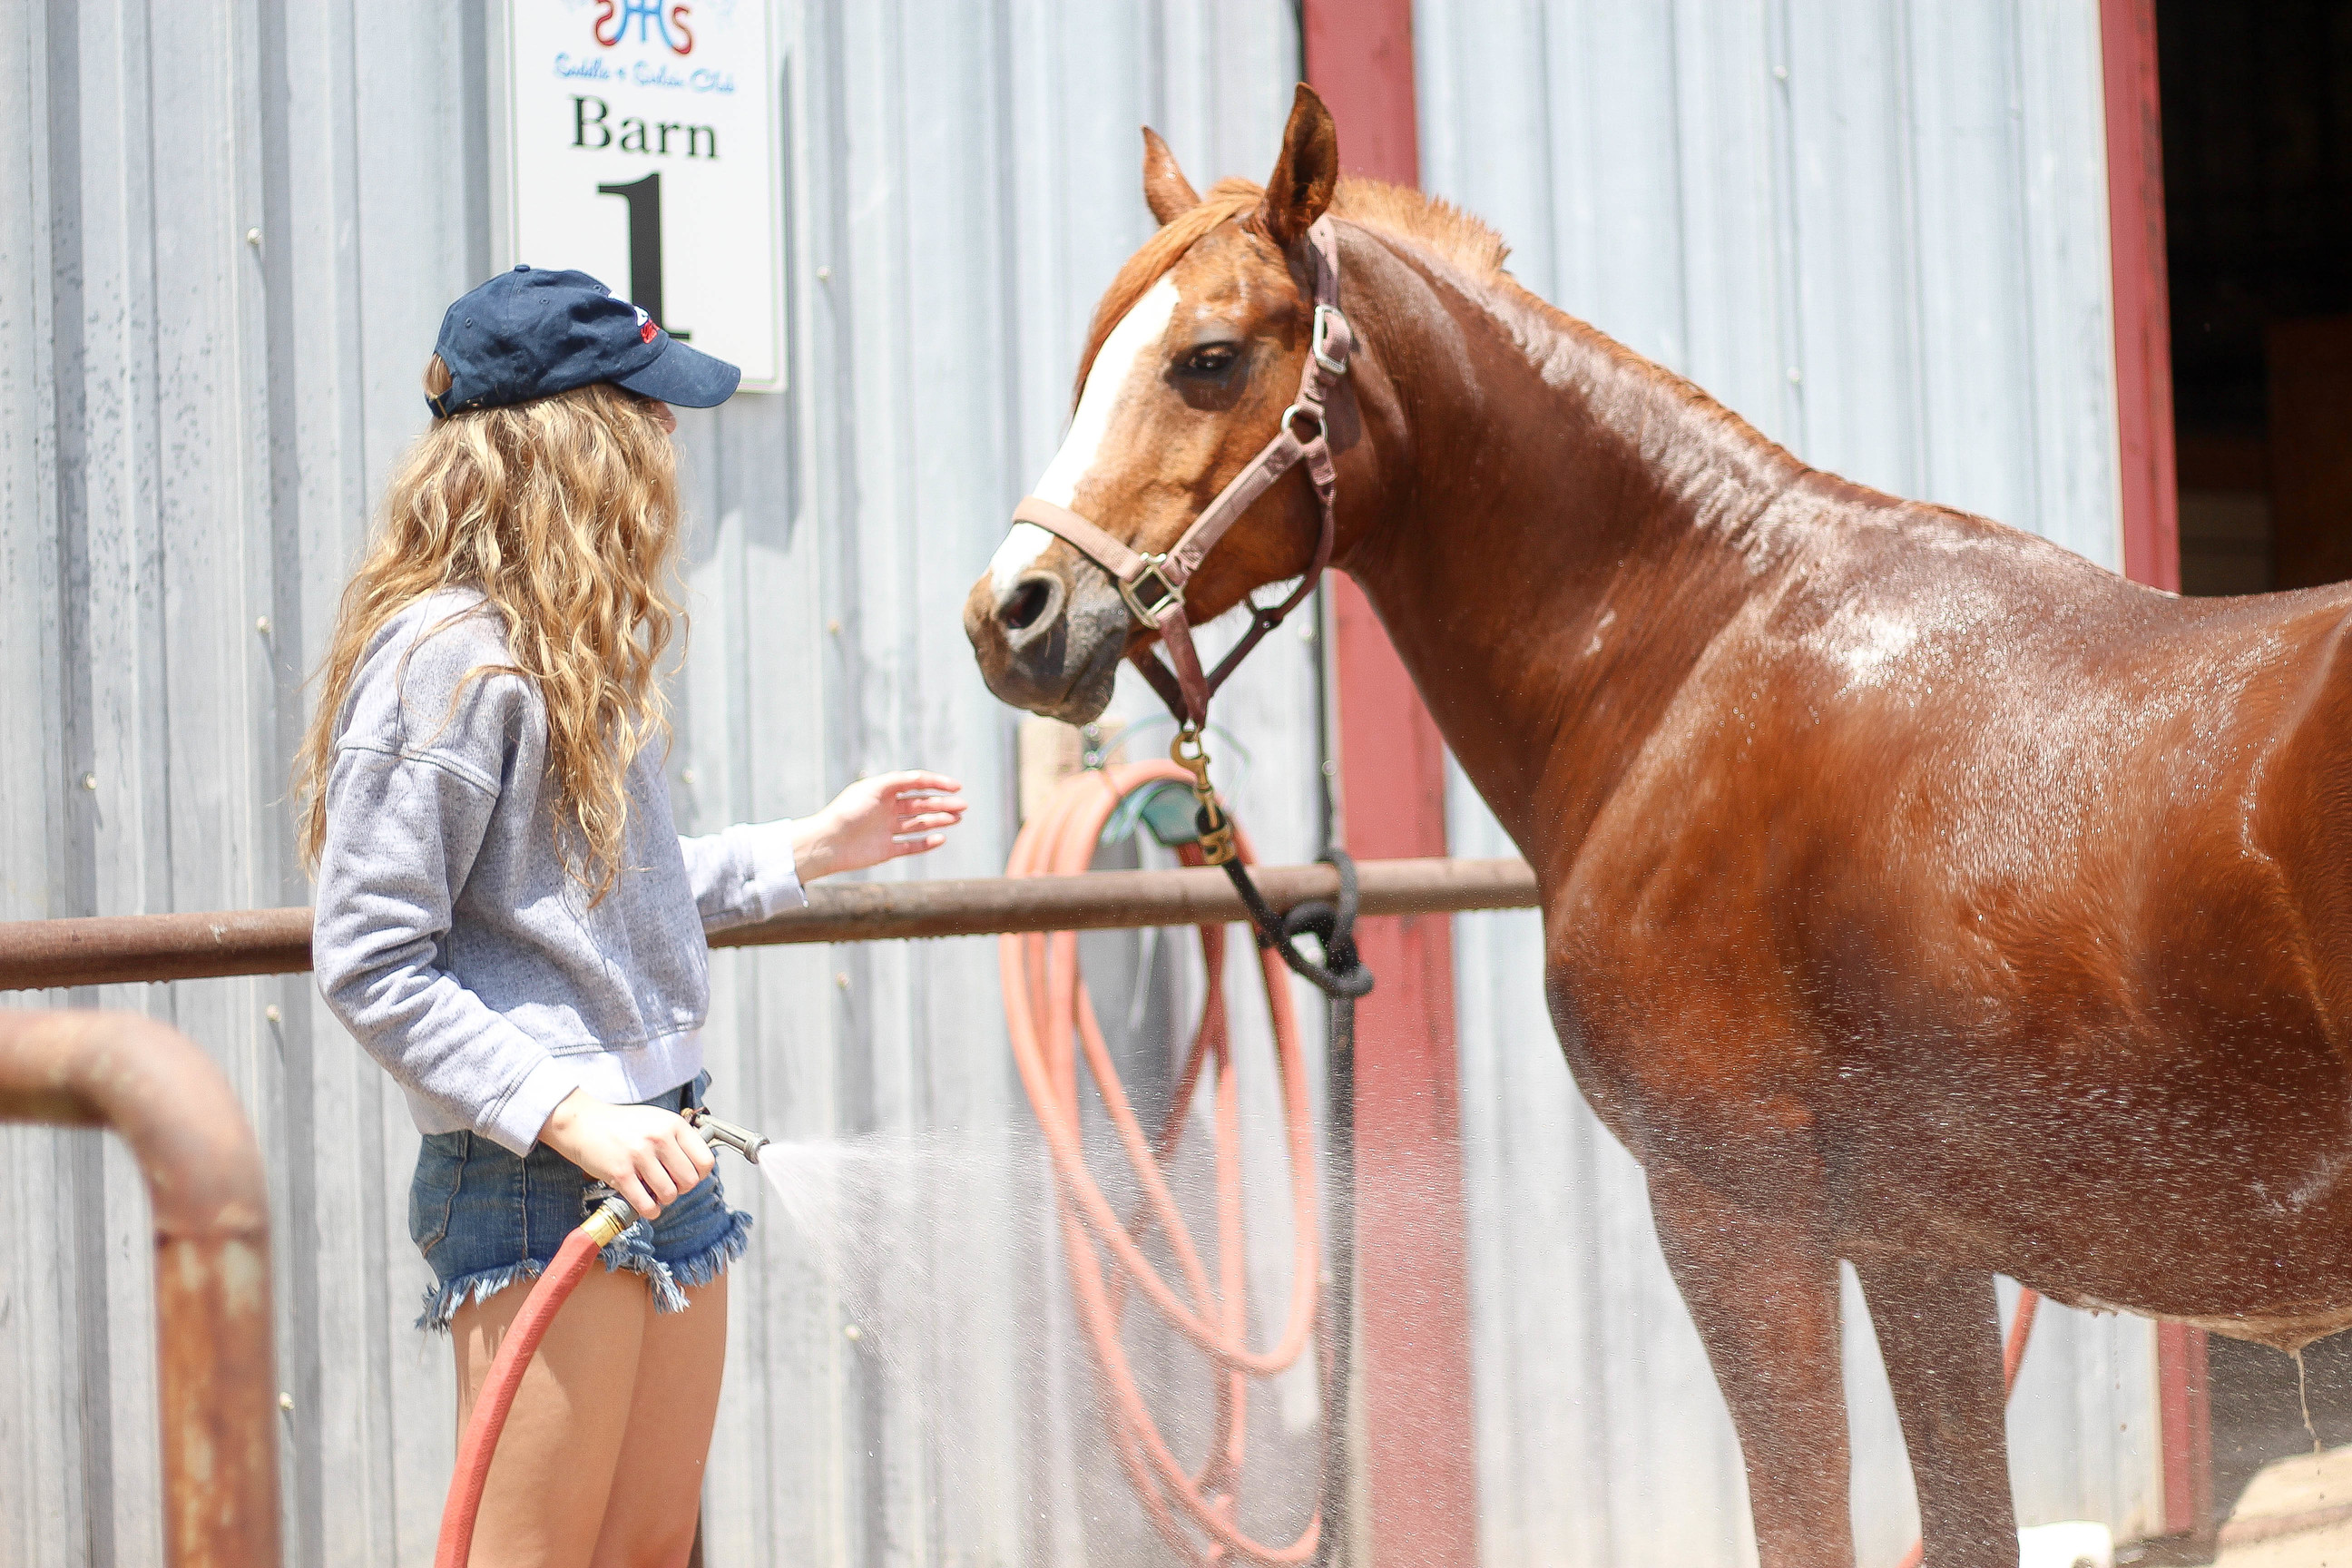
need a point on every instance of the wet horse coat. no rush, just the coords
(1914, 892)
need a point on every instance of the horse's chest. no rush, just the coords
(1675, 1065)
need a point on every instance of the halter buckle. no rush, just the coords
(1322, 335)
(1167, 595)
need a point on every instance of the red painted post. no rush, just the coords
(1413, 1299)
(2185, 1425)
(2143, 325)
(2151, 523)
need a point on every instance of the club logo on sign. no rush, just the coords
(642, 149)
(646, 13)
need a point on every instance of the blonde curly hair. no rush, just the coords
(563, 511)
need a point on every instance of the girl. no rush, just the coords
(507, 919)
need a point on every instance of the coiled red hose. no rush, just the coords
(1051, 1020)
(480, 1443)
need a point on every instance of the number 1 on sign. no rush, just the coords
(643, 197)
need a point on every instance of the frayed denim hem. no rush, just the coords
(441, 1305)
(669, 1282)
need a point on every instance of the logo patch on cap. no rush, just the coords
(646, 326)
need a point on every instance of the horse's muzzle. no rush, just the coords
(1047, 645)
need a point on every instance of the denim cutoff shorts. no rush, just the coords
(485, 1218)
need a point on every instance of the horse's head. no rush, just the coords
(1195, 351)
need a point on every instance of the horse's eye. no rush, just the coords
(1210, 359)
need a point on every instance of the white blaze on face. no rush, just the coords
(1129, 344)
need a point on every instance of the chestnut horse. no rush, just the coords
(1914, 892)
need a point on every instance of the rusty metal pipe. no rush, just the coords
(1105, 900)
(115, 948)
(153, 1087)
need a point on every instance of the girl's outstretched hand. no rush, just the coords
(877, 819)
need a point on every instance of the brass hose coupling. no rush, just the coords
(612, 1216)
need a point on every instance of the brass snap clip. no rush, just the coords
(1216, 829)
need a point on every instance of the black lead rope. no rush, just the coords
(1341, 975)
(1342, 978)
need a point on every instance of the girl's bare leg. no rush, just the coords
(550, 1482)
(650, 1515)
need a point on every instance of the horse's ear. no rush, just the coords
(1304, 176)
(1165, 188)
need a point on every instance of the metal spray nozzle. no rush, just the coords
(742, 1140)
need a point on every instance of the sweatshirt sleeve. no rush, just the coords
(403, 831)
(743, 874)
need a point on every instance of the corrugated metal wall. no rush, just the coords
(226, 235)
(1879, 231)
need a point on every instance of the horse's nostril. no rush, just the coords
(1019, 612)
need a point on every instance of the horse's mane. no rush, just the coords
(1464, 238)
(1439, 225)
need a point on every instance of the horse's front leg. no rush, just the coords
(1763, 1288)
(1939, 1335)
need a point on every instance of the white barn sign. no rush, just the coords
(641, 147)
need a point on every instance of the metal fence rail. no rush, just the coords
(109, 949)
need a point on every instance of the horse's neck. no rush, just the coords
(1561, 532)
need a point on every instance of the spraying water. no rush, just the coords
(878, 1216)
(886, 1219)
(918, 1239)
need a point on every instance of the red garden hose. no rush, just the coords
(1051, 1020)
(2012, 1356)
(480, 1443)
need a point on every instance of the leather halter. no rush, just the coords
(1153, 584)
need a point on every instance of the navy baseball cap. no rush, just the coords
(532, 333)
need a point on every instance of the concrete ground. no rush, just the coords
(2296, 1512)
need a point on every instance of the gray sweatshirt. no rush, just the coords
(449, 938)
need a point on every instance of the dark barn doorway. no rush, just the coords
(2257, 107)
(2257, 127)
